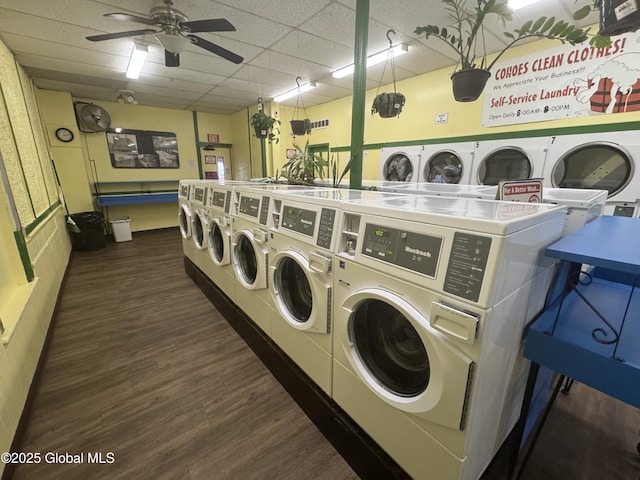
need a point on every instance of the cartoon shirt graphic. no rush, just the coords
(613, 87)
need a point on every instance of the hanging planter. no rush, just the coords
(300, 127)
(388, 105)
(469, 84)
(263, 125)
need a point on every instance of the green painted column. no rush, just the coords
(263, 153)
(359, 92)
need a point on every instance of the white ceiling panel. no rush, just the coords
(278, 40)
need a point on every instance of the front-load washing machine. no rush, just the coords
(185, 217)
(400, 164)
(508, 159)
(199, 223)
(429, 311)
(447, 163)
(604, 161)
(305, 228)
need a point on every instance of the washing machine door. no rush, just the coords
(443, 167)
(198, 229)
(403, 360)
(184, 220)
(509, 163)
(218, 241)
(397, 168)
(602, 166)
(250, 258)
(301, 290)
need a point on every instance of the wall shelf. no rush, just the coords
(149, 191)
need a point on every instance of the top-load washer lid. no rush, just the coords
(601, 166)
(508, 163)
(443, 167)
(398, 168)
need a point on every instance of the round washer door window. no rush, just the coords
(198, 231)
(443, 167)
(216, 242)
(246, 259)
(390, 348)
(295, 291)
(183, 217)
(398, 168)
(504, 164)
(598, 166)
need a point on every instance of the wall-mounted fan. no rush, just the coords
(91, 118)
(174, 31)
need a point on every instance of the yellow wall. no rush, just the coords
(34, 243)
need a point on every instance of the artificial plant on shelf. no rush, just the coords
(304, 166)
(466, 32)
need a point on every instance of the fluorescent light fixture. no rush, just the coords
(138, 56)
(305, 87)
(373, 60)
(518, 4)
(173, 42)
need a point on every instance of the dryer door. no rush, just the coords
(184, 220)
(218, 242)
(398, 168)
(444, 166)
(300, 292)
(504, 164)
(403, 360)
(601, 166)
(250, 258)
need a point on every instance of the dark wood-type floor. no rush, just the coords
(142, 365)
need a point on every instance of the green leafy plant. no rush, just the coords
(304, 166)
(334, 170)
(467, 20)
(388, 105)
(301, 127)
(265, 126)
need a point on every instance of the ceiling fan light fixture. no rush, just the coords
(138, 57)
(172, 42)
(373, 60)
(305, 87)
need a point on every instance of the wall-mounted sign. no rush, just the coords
(143, 149)
(442, 118)
(213, 138)
(564, 82)
(211, 175)
(210, 159)
(290, 152)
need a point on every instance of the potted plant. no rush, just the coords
(264, 126)
(304, 166)
(388, 105)
(301, 127)
(468, 17)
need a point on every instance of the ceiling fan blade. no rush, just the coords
(211, 25)
(171, 59)
(217, 49)
(131, 18)
(111, 36)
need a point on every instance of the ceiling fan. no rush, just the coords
(174, 31)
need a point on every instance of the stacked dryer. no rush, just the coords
(401, 164)
(604, 161)
(508, 159)
(449, 163)
(431, 295)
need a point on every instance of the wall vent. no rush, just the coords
(316, 124)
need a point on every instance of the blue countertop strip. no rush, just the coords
(571, 350)
(608, 241)
(110, 200)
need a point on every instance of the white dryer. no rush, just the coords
(606, 161)
(431, 295)
(508, 159)
(449, 163)
(400, 164)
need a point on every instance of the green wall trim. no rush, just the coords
(602, 128)
(214, 145)
(198, 155)
(24, 255)
(31, 227)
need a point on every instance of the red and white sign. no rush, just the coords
(566, 81)
(521, 190)
(213, 138)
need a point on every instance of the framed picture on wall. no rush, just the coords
(142, 149)
(210, 159)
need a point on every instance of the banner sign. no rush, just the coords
(564, 82)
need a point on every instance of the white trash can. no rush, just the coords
(121, 227)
